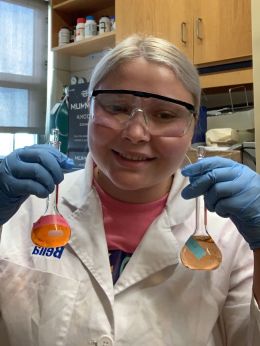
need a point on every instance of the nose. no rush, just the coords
(135, 128)
(137, 111)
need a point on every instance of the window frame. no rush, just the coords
(37, 83)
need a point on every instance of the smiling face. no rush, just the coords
(133, 165)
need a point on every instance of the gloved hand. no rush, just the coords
(32, 170)
(231, 190)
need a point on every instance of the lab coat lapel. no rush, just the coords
(157, 250)
(83, 211)
(89, 242)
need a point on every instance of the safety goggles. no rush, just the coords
(163, 116)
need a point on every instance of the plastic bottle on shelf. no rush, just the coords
(104, 25)
(73, 34)
(64, 36)
(112, 23)
(90, 27)
(80, 29)
(82, 80)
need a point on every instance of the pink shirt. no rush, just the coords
(126, 223)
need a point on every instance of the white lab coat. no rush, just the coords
(52, 300)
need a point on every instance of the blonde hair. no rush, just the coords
(155, 50)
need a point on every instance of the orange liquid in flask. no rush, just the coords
(201, 253)
(51, 230)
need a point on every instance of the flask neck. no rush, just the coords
(52, 203)
(201, 217)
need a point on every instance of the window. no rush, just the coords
(23, 71)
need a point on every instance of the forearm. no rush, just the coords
(256, 282)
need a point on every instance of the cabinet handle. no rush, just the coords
(198, 27)
(184, 32)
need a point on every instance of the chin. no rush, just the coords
(128, 184)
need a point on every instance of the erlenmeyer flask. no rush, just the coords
(51, 229)
(200, 251)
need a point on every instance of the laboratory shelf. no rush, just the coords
(69, 6)
(89, 45)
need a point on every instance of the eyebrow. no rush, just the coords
(189, 106)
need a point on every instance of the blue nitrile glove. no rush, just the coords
(32, 170)
(231, 190)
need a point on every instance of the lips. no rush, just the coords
(133, 156)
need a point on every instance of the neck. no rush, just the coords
(144, 195)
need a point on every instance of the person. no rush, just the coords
(119, 280)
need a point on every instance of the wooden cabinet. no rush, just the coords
(207, 31)
(222, 30)
(66, 12)
(168, 19)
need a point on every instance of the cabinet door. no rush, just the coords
(169, 19)
(222, 30)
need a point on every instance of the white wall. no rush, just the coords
(82, 67)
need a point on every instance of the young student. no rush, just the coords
(119, 280)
